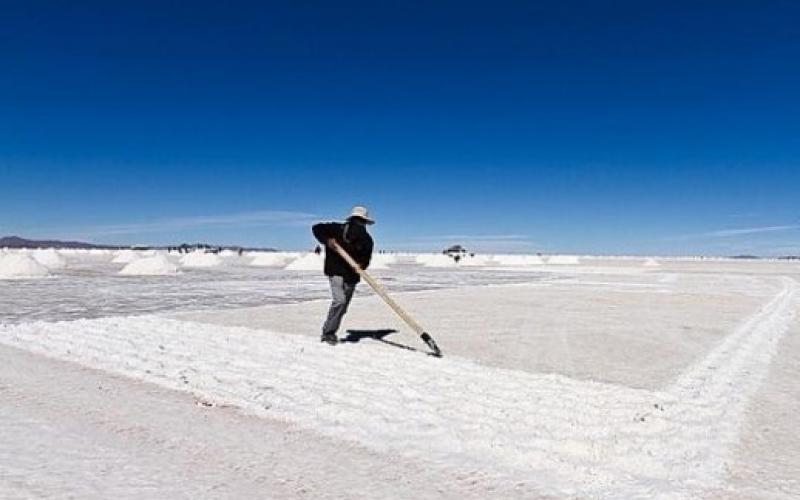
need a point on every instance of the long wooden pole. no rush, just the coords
(382, 293)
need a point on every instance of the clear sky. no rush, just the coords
(641, 127)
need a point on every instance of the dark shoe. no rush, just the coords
(329, 338)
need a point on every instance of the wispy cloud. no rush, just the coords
(723, 233)
(731, 233)
(776, 239)
(473, 237)
(171, 224)
(756, 246)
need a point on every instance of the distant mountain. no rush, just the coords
(17, 242)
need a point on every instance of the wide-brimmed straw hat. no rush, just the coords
(362, 213)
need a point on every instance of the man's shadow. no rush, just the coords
(355, 336)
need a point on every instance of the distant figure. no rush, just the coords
(318, 250)
(353, 237)
(241, 252)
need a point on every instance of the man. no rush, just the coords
(353, 237)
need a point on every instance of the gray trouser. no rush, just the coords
(342, 294)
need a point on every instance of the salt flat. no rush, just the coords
(600, 380)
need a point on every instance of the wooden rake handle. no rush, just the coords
(383, 294)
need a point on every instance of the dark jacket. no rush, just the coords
(354, 239)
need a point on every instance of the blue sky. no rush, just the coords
(591, 127)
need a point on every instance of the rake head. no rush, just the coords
(435, 351)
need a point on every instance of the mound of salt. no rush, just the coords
(84, 255)
(157, 265)
(436, 260)
(201, 259)
(101, 253)
(564, 260)
(50, 259)
(308, 262)
(386, 258)
(651, 263)
(533, 260)
(382, 261)
(125, 257)
(271, 259)
(518, 260)
(377, 264)
(474, 261)
(21, 265)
